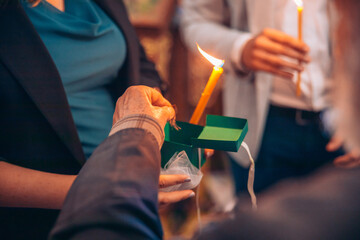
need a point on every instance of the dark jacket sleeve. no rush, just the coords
(324, 206)
(115, 194)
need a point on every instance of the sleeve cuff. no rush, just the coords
(141, 121)
(237, 50)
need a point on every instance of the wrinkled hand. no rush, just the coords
(166, 198)
(144, 100)
(265, 51)
(349, 160)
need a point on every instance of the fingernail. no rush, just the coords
(191, 195)
(187, 180)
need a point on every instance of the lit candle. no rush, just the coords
(209, 88)
(300, 8)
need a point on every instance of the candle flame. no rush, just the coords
(299, 3)
(214, 61)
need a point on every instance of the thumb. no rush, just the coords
(156, 98)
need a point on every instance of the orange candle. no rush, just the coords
(300, 8)
(205, 96)
(209, 88)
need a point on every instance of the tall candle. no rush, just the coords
(209, 88)
(300, 8)
(298, 82)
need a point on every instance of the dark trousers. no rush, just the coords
(291, 147)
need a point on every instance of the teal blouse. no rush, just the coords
(88, 50)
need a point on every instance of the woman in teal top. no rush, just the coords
(88, 49)
(63, 65)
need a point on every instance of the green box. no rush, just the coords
(219, 133)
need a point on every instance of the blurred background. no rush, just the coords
(157, 25)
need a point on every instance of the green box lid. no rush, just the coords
(219, 133)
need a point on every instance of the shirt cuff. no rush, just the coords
(237, 50)
(141, 121)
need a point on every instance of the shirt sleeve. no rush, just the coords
(141, 121)
(203, 21)
(237, 50)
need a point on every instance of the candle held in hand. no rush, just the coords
(209, 88)
(300, 8)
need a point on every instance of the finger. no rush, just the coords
(347, 161)
(283, 38)
(343, 160)
(157, 99)
(209, 153)
(263, 66)
(276, 61)
(276, 48)
(165, 198)
(353, 164)
(334, 144)
(170, 180)
(157, 89)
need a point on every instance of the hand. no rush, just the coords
(265, 51)
(349, 160)
(166, 198)
(144, 100)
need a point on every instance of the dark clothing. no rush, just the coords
(116, 195)
(322, 206)
(37, 130)
(291, 147)
(114, 198)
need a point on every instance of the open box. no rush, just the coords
(219, 133)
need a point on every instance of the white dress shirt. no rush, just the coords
(315, 80)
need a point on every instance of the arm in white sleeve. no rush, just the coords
(204, 22)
